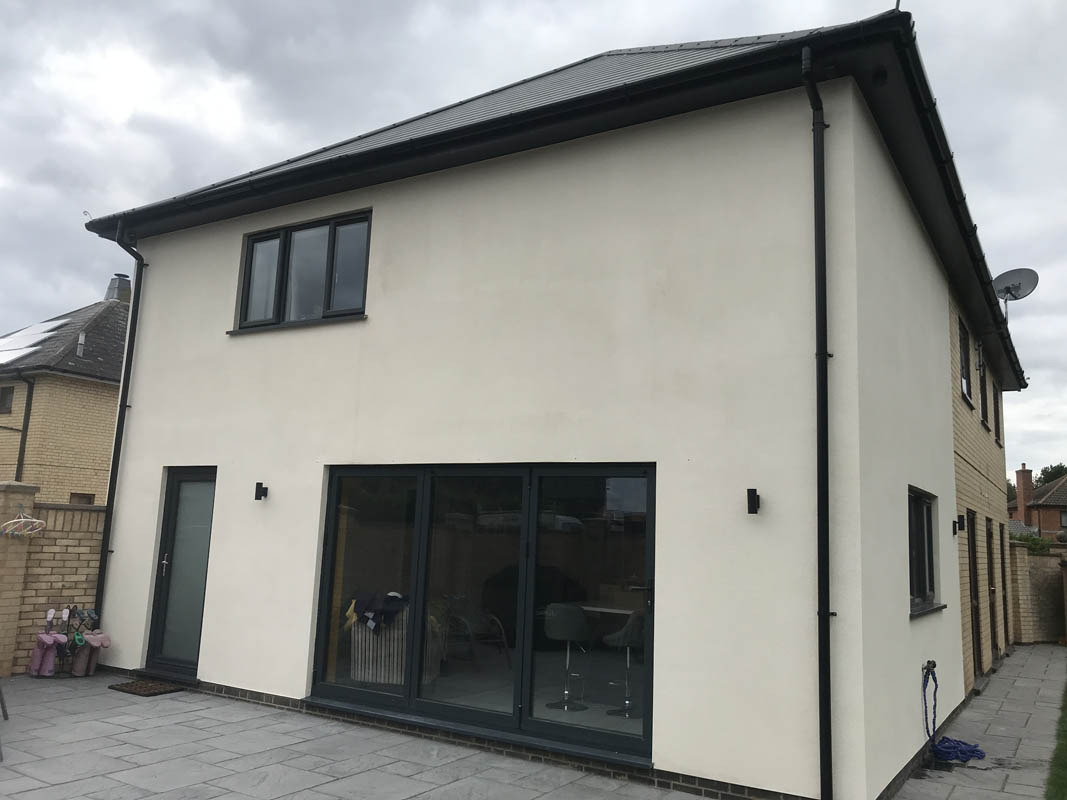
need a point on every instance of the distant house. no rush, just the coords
(59, 388)
(1044, 509)
(542, 380)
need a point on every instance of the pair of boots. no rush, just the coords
(43, 659)
(87, 654)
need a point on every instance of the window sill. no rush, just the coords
(304, 323)
(930, 609)
(986, 426)
(999, 443)
(967, 400)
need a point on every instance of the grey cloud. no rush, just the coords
(319, 71)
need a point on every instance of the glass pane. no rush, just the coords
(188, 571)
(367, 635)
(262, 280)
(349, 266)
(307, 273)
(590, 602)
(473, 592)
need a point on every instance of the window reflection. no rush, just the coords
(590, 602)
(369, 614)
(307, 273)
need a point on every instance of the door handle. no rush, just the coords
(164, 563)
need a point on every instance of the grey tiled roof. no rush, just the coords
(104, 325)
(611, 70)
(1017, 526)
(1051, 494)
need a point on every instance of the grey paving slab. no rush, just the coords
(253, 741)
(1015, 722)
(362, 763)
(272, 781)
(427, 752)
(62, 769)
(338, 746)
(256, 760)
(374, 785)
(70, 790)
(157, 738)
(479, 789)
(173, 774)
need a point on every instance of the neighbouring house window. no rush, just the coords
(921, 549)
(965, 361)
(7, 396)
(307, 272)
(1063, 519)
(996, 411)
(82, 499)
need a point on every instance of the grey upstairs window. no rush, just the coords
(305, 273)
(7, 397)
(965, 362)
(921, 549)
(996, 411)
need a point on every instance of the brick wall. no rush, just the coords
(72, 427)
(980, 487)
(54, 569)
(1023, 613)
(1039, 615)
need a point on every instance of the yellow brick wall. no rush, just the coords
(980, 487)
(72, 425)
(61, 569)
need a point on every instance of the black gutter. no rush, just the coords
(120, 421)
(21, 460)
(822, 429)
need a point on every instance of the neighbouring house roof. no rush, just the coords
(52, 345)
(626, 87)
(1017, 527)
(1053, 493)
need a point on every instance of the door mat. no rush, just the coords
(146, 688)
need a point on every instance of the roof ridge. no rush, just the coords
(711, 44)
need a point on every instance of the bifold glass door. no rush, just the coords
(509, 597)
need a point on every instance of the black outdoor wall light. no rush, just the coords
(753, 501)
(261, 491)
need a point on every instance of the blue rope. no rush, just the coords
(945, 749)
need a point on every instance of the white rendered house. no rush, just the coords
(506, 373)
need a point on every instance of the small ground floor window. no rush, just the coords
(509, 597)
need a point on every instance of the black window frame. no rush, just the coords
(966, 387)
(996, 412)
(921, 560)
(983, 391)
(7, 399)
(281, 284)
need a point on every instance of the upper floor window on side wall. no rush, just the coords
(996, 412)
(7, 397)
(965, 362)
(303, 273)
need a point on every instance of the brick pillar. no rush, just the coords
(13, 552)
(1024, 492)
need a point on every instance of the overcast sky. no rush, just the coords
(105, 106)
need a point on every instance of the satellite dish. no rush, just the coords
(1015, 284)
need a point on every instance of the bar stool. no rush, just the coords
(566, 623)
(632, 634)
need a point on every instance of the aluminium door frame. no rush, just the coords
(154, 662)
(976, 603)
(407, 701)
(991, 575)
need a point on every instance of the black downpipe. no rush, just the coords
(822, 430)
(120, 421)
(21, 460)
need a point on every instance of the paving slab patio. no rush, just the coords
(1014, 720)
(70, 739)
